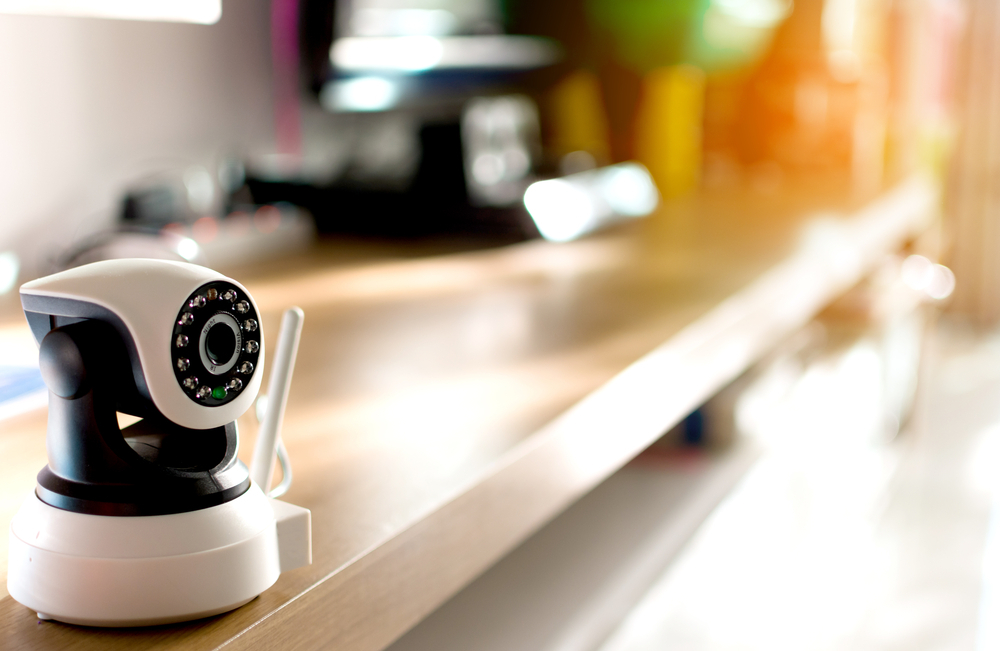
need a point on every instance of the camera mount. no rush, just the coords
(153, 467)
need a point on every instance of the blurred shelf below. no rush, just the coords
(573, 582)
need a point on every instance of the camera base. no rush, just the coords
(96, 570)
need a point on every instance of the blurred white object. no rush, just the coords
(419, 17)
(566, 208)
(10, 269)
(403, 22)
(205, 12)
(422, 52)
(500, 140)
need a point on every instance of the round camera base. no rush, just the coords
(95, 570)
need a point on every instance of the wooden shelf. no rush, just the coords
(446, 408)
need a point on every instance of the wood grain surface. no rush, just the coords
(446, 407)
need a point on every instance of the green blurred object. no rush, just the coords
(715, 35)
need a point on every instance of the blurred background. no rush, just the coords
(242, 134)
(407, 119)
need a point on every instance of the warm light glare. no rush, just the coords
(205, 12)
(839, 18)
(759, 13)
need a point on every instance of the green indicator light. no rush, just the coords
(219, 393)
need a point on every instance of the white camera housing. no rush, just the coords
(158, 522)
(142, 299)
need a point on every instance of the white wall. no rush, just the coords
(87, 105)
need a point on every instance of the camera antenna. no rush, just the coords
(269, 437)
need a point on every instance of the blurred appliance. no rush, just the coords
(398, 54)
(500, 147)
(431, 130)
(191, 215)
(410, 177)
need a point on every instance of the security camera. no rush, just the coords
(161, 513)
(173, 343)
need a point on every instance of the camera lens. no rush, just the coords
(220, 343)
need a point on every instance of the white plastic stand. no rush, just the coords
(135, 571)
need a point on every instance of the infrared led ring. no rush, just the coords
(215, 343)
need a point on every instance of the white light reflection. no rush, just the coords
(205, 12)
(403, 22)
(403, 53)
(629, 190)
(188, 249)
(936, 280)
(10, 267)
(360, 94)
(567, 208)
(561, 211)
(419, 53)
(943, 283)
